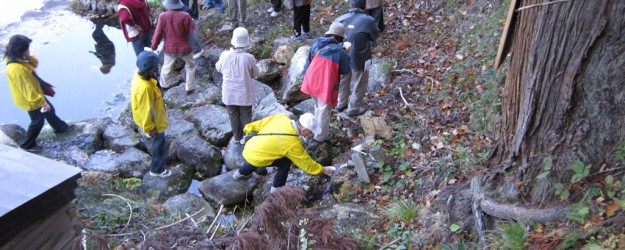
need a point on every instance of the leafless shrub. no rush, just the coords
(249, 241)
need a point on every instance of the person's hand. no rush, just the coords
(347, 46)
(151, 133)
(329, 170)
(45, 107)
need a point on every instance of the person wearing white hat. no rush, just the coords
(175, 27)
(238, 68)
(327, 60)
(275, 142)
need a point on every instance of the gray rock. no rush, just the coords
(346, 216)
(213, 123)
(306, 106)
(178, 125)
(269, 71)
(378, 75)
(283, 53)
(223, 189)
(131, 163)
(233, 158)
(292, 83)
(269, 106)
(183, 205)
(11, 134)
(196, 152)
(176, 97)
(163, 188)
(118, 138)
(313, 185)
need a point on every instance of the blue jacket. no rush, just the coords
(326, 61)
(361, 31)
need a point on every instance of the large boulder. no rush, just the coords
(213, 123)
(306, 106)
(182, 205)
(119, 138)
(11, 134)
(292, 83)
(378, 75)
(283, 50)
(163, 188)
(266, 103)
(178, 125)
(269, 71)
(346, 216)
(176, 97)
(313, 185)
(223, 189)
(196, 152)
(232, 157)
(131, 163)
(74, 147)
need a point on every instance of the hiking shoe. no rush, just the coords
(297, 39)
(227, 27)
(198, 55)
(163, 174)
(356, 111)
(239, 176)
(339, 110)
(275, 14)
(270, 10)
(35, 149)
(70, 127)
(306, 35)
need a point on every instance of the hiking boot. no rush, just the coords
(70, 127)
(297, 39)
(227, 27)
(339, 110)
(35, 149)
(239, 176)
(275, 13)
(189, 92)
(198, 54)
(356, 111)
(306, 35)
(163, 174)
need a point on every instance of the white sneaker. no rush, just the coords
(198, 55)
(270, 10)
(163, 174)
(275, 14)
(227, 27)
(239, 176)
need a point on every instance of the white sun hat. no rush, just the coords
(309, 121)
(240, 38)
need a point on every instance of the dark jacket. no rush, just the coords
(361, 31)
(140, 15)
(326, 61)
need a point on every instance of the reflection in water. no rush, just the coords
(104, 48)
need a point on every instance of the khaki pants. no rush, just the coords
(356, 82)
(322, 113)
(167, 74)
(234, 8)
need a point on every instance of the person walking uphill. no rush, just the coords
(134, 16)
(238, 68)
(326, 61)
(301, 20)
(277, 143)
(148, 109)
(175, 27)
(27, 93)
(361, 31)
(237, 15)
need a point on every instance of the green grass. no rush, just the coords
(402, 210)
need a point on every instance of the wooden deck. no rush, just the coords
(32, 189)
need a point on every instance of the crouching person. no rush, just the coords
(148, 109)
(277, 144)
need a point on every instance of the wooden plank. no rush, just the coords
(361, 170)
(507, 34)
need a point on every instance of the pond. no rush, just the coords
(63, 43)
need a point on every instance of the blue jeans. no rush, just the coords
(219, 4)
(144, 41)
(279, 180)
(159, 153)
(36, 124)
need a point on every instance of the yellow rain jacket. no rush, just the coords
(148, 108)
(25, 89)
(262, 150)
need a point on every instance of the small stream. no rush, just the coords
(65, 45)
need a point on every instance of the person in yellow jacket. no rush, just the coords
(276, 143)
(148, 109)
(27, 93)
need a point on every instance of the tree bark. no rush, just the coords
(562, 96)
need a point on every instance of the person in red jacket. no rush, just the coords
(175, 27)
(134, 16)
(326, 61)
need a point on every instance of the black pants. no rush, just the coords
(279, 180)
(301, 19)
(277, 5)
(378, 15)
(159, 153)
(239, 117)
(36, 124)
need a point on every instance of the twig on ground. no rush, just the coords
(411, 71)
(243, 225)
(402, 96)
(389, 244)
(178, 222)
(129, 209)
(216, 217)
(142, 241)
(216, 228)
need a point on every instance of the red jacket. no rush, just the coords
(174, 27)
(140, 15)
(325, 63)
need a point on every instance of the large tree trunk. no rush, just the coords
(564, 94)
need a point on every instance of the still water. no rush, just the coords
(65, 47)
